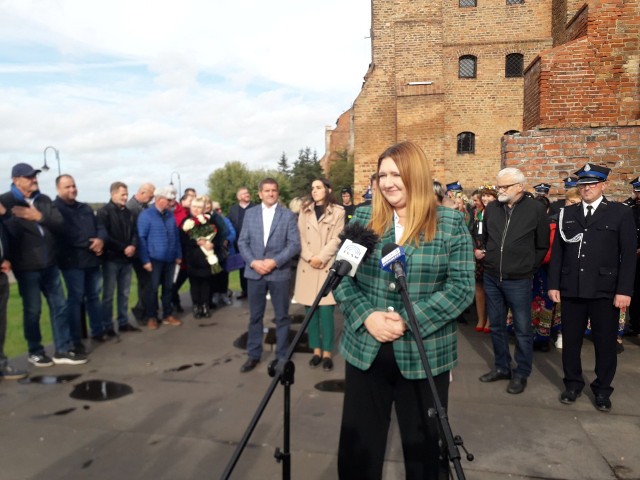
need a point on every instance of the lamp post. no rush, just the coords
(45, 167)
(179, 183)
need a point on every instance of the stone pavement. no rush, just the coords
(190, 406)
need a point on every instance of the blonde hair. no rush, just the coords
(421, 219)
(572, 195)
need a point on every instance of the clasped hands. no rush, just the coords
(265, 266)
(385, 326)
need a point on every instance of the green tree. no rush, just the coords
(224, 182)
(304, 171)
(283, 165)
(341, 172)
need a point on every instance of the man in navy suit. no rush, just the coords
(592, 271)
(268, 241)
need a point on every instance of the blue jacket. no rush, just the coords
(80, 224)
(158, 236)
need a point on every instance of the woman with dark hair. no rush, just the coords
(320, 221)
(383, 366)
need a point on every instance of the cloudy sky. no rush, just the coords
(126, 91)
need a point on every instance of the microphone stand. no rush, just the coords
(439, 411)
(283, 371)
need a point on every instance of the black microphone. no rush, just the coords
(358, 242)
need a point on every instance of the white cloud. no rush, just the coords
(132, 90)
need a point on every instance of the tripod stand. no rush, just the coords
(452, 443)
(282, 372)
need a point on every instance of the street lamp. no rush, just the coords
(45, 167)
(179, 183)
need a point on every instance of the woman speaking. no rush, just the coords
(383, 366)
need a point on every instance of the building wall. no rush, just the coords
(422, 42)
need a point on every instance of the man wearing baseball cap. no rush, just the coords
(32, 220)
(593, 261)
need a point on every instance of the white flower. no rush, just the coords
(188, 225)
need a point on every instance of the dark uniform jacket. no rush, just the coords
(31, 244)
(601, 264)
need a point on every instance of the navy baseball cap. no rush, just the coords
(636, 184)
(24, 170)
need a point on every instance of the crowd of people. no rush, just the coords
(538, 271)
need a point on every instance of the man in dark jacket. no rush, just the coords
(160, 251)
(80, 246)
(119, 250)
(7, 371)
(634, 309)
(32, 220)
(592, 269)
(236, 215)
(516, 240)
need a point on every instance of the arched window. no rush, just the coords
(467, 66)
(511, 132)
(466, 142)
(514, 65)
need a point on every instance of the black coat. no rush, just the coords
(32, 244)
(603, 263)
(193, 257)
(121, 232)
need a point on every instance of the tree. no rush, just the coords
(283, 166)
(341, 173)
(304, 171)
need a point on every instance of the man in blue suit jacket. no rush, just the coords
(268, 241)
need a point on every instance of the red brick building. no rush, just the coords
(450, 76)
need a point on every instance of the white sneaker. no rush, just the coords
(293, 301)
(558, 343)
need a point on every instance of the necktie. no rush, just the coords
(589, 212)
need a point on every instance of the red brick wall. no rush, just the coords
(551, 155)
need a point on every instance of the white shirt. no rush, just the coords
(595, 205)
(267, 220)
(399, 229)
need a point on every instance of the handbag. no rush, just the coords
(234, 262)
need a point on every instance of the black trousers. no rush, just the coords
(200, 290)
(634, 308)
(369, 396)
(604, 331)
(177, 285)
(144, 286)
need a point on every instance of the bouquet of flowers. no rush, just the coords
(199, 228)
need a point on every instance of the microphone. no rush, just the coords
(393, 260)
(358, 242)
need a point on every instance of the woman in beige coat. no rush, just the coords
(320, 222)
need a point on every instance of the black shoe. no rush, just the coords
(111, 335)
(99, 338)
(128, 328)
(619, 348)
(568, 397)
(242, 295)
(541, 347)
(495, 375)
(40, 360)
(204, 311)
(69, 358)
(327, 364)
(249, 365)
(315, 361)
(197, 311)
(517, 385)
(603, 403)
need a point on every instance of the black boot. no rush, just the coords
(197, 312)
(206, 313)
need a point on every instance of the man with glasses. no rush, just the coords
(516, 240)
(32, 220)
(592, 269)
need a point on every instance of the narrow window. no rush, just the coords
(467, 3)
(467, 66)
(514, 2)
(514, 65)
(466, 142)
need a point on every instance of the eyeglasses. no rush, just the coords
(506, 187)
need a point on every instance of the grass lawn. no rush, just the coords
(15, 344)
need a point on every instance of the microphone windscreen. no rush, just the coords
(361, 235)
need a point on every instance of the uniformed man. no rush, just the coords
(634, 310)
(454, 187)
(569, 182)
(542, 189)
(592, 271)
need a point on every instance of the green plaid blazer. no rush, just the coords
(440, 280)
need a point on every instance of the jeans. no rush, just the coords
(257, 290)
(115, 275)
(516, 296)
(30, 284)
(4, 300)
(83, 285)
(161, 275)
